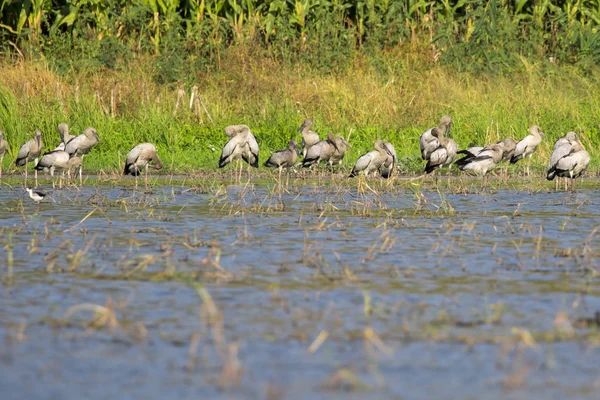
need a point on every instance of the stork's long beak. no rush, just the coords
(387, 150)
(97, 137)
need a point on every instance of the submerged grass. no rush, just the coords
(363, 105)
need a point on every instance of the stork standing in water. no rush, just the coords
(309, 138)
(341, 146)
(80, 145)
(242, 145)
(284, 158)
(373, 160)
(3, 148)
(484, 161)
(562, 147)
(444, 155)
(57, 160)
(387, 168)
(429, 142)
(569, 159)
(320, 152)
(140, 158)
(30, 151)
(507, 152)
(468, 154)
(508, 149)
(526, 147)
(65, 136)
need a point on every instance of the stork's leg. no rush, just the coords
(146, 176)
(280, 169)
(1, 159)
(34, 163)
(81, 172)
(25, 172)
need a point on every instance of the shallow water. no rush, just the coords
(223, 293)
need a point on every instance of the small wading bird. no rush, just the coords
(429, 143)
(320, 152)
(569, 159)
(373, 160)
(3, 148)
(36, 195)
(309, 138)
(527, 146)
(30, 151)
(484, 161)
(140, 158)
(57, 160)
(341, 146)
(80, 145)
(445, 153)
(242, 145)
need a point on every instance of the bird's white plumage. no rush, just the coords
(569, 158)
(242, 145)
(429, 142)
(526, 146)
(82, 144)
(30, 150)
(141, 156)
(373, 160)
(485, 160)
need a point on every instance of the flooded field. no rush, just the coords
(323, 291)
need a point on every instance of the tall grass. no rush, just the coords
(188, 37)
(397, 103)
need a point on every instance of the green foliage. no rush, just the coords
(190, 36)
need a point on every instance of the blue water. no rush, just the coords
(452, 288)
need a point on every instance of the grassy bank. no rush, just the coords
(396, 102)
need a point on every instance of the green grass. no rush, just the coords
(396, 105)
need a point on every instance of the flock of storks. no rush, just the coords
(569, 158)
(71, 151)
